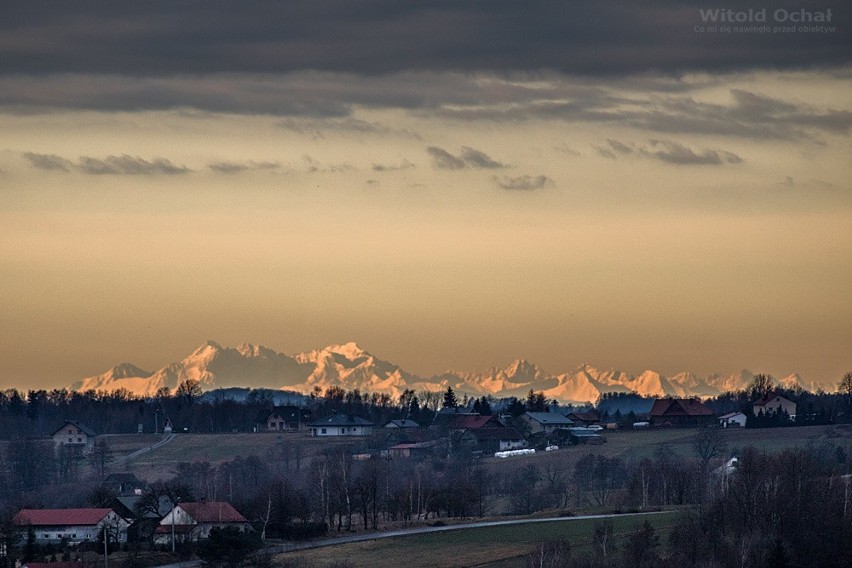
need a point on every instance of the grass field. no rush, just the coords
(503, 546)
(629, 445)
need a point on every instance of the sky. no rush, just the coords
(450, 184)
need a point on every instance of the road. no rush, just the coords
(124, 459)
(291, 547)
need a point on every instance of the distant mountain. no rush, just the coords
(349, 367)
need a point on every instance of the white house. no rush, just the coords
(72, 525)
(341, 425)
(193, 521)
(75, 434)
(733, 420)
(774, 404)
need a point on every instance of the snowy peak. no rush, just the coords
(350, 367)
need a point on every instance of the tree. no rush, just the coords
(536, 402)
(640, 549)
(189, 390)
(550, 554)
(760, 386)
(450, 399)
(100, 456)
(845, 387)
(709, 443)
(227, 546)
(602, 540)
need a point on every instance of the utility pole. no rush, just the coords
(106, 547)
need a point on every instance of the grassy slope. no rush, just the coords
(494, 546)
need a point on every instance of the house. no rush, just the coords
(142, 522)
(74, 435)
(491, 440)
(447, 414)
(775, 404)
(679, 412)
(587, 418)
(193, 521)
(52, 526)
(546, 422)
(341, 425)
(124, 484)
(732, 420)
(401, 424)
(473, 422)
(286, 418)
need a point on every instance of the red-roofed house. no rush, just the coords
(193, 521)
(71, 525)
(680, 412)
(462, 423)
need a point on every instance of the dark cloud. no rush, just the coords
(468, 158)
(48, 161)
(523, 183)
(314, 166)
(619, 147)
(676, 153)
(117, 165)
(129, 165)
(601, 37)
(404, 165)
(238, 167)
(443, 160)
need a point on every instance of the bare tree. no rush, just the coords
(709, 443)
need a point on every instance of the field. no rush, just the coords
(629, 445)
(502, 546)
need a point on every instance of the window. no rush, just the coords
(80, 440)
(322, 431)
(70, 440)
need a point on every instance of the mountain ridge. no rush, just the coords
(348, 366)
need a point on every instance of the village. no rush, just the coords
(333, 459)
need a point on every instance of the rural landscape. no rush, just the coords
(343, 478)
(434, 283)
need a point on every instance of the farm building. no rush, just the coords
(52, 526)
(733, 420)
(679, 412)
(193, 521)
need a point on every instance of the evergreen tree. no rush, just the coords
(450, 399)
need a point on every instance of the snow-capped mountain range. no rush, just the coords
(350, 367)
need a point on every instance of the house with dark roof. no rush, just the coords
(143, 520)
(490, 440)
(680, 412)
(76, 435)
(341, 425)
(473, 422)
(124, 483)
(547, 422)
(52, 526)
(194, 521)
(772, 403)
(416, 450)
(587, 418)
(285, 418)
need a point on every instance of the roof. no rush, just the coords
(213, 512)
(164, 505)
(414, 446)
(341, 420)
(67, 564)
(293, 413)
(403, 423)
(482, 434)
(60, 517)
(769, 397)
(590, 416)
(122, 478)
(470, 422)
(86, 430)
(730, 415)
(679, 407)
(549, 418)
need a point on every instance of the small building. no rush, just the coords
(401, 424)
(124, 484)
(547, 422)
(491, 440)
(583, 435)
(75, 435)
(286, 418)
(194, 521)
(52, 526)
(732, 420)
(413, 451)
(448, 414)
(473, 422)
(775, 404)
(342, 425)
(680, 412)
